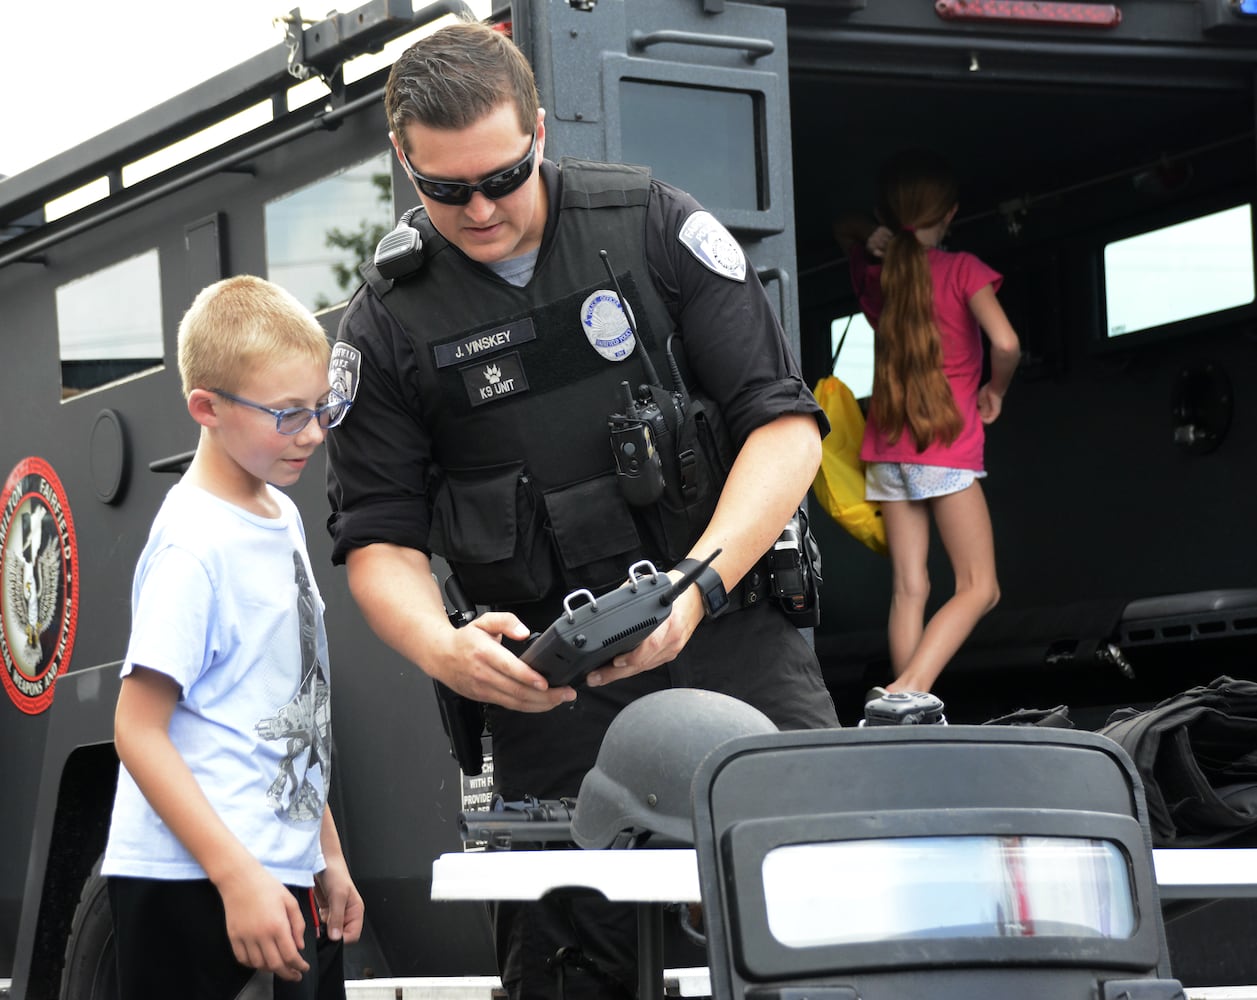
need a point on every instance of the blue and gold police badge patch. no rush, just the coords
(713, 246)
(607, 326)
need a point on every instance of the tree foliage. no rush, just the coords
(360, 242)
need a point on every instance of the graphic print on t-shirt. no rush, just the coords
(304, 722)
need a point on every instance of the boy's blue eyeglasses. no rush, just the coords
(293, 419)
(493, 187)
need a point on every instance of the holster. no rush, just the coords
(463, 722)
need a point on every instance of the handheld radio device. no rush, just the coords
(637, 460)
(590, 633)
(645, 429)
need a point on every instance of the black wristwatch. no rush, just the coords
(709, 585)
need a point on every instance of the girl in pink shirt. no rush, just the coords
(923, 442)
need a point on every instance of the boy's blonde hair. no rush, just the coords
(239, 324)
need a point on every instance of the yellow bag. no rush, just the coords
(839, 483)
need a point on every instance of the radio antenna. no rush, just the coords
(677, 588)
(647, 364)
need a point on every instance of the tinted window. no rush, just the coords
(663, 125)
(317, 235)
(847, 892)
(1178, 272)
(109, 324)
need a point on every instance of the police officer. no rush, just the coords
(483, 362)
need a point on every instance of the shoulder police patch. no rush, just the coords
(713, 246)
(343, 370)
(606, 325)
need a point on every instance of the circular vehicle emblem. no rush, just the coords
(39, 594)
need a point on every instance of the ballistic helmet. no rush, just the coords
(640, 784)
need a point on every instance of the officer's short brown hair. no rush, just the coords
(454, 77)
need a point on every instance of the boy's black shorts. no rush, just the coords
(170, 939)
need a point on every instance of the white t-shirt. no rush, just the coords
(224, 603)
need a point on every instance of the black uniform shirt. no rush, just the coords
(379, 459)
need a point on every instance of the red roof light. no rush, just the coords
(1096, 15)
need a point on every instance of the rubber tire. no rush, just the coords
(90, 972)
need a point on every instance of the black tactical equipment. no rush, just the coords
(589, 634)
(904, 708)
(531, 821)
(949, 862)
(1195, 753)
(462, 718)
(639, 789)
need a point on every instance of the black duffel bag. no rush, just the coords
(1197, 755)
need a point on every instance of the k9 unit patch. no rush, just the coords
(495, 378)
(713, 246)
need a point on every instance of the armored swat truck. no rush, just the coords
(1107, 159)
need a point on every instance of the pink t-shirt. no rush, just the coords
(957, 278)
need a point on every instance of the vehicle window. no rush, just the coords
(662, 125)
(109, 324)
(317, 235)
(1178, 272)
(854, 364)
(863, 891)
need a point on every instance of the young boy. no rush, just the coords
(223, 857)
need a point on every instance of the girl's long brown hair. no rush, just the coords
(910, 392)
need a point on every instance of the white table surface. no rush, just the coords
(671, 876)
(640, 876)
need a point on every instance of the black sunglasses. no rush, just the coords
(493, 187)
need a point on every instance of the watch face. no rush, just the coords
(715, 600)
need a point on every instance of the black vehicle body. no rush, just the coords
(1120, 471)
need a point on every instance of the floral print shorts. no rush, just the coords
(905, 481)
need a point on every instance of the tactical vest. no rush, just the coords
(516, 385)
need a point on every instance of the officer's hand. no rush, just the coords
(662, 645)
(473, 661)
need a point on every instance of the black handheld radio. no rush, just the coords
(590, 634)
(649, 421)
(637, 460)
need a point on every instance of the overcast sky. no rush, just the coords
(73, 68)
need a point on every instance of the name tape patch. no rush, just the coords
(485, 342)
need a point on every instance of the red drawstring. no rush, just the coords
(314, 910)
